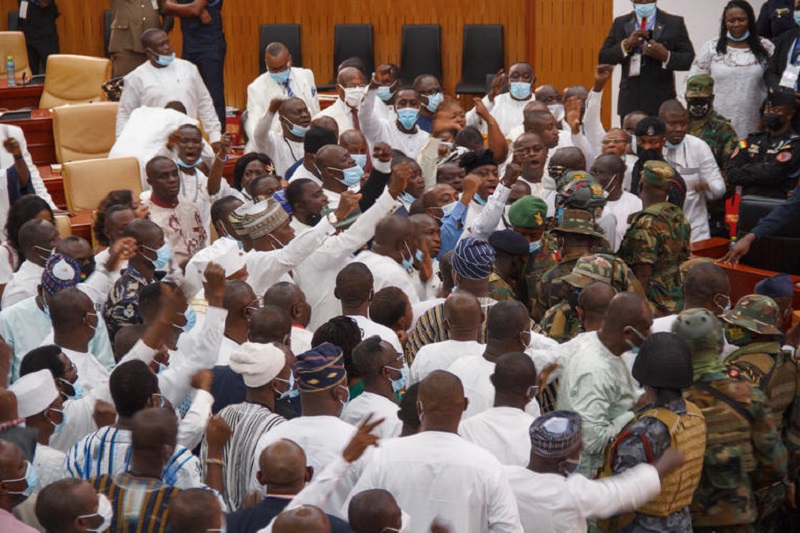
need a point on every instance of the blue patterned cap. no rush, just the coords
(473, 258)
(60, 272)
(554, 433)
(778, 286)
(320, 368)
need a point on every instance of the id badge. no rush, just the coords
(789, 77)
(23, 9)
(635, 67)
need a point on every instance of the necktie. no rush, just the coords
(289, 91)
(644, 24)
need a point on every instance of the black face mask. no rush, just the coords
(652, 154)
(773, 121)
(698, 110)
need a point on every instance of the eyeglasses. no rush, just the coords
(606, 142)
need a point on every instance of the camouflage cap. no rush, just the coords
(701, 330)
(528, 212)
(756, 313)
(576, 221)
(699, 86)
(658, 173)
(689, 263)
(573, 175)
(581, 194)
(589, 269)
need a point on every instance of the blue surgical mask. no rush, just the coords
(408, 117)
(60, 426)
(77, 390)
(163, 255)
(419, 256)
(165, 61)
(797, 17)
(31, 480)
(534, 247)
(672, 146)
(559, 214)
(290, 393)
(433, 102)
(280, 77)
(407, 264)
(407, 198)
(634, 348)
(479, 200)
(191, 319)
(520, 90)
(746, 34)
(184, 164)
(350, 176)
(360, 159)
(385, 93)
(399, 383)
(645, 11)
(448, 208)
(296, 129)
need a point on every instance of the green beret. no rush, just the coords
(658, 173)
(700, 86)
(528, 212)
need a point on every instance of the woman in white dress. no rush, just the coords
(737, 60)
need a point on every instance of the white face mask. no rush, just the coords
(353, 95)
(104, 511)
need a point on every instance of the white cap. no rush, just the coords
(258, 363)
(35, 392)
(225, 252)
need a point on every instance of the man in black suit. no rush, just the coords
(777, 76)
(650, 44)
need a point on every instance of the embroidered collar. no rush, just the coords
(161, 203)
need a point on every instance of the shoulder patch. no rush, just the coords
(783, 157)
(733, 372)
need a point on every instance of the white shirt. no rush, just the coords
(370, 328)
(474, 374)
(440, 475)
(264, 89)
(341, 113)
(592, 125)
(627, 205)
(664, 325)
(226, 348)
(91, 372)
(282, 151)
(303, 173)
(505, 109)
(377, 129)
(367, 402)
(155, 87)
(387, 272)
(552, 503)
(49, 465)
(502, 431)
(440, 355)
(695, 162)
(301, 339)
(23, 285)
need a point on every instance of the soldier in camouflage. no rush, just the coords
(719, 135)
(753, 326)
(511, 252)
(657, 241)
(743, 450)
(580, 190)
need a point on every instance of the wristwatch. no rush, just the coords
(332, 218)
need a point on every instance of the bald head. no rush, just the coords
(153, 428)
(291, 106)
(350, 139)
(282, 467)
(569, 157)
(670, 106)
(10, 457)
(330, 155)
(237, 295)
(195, 511)
(702, 283)
(349, 77)
(609, 164)
(441, 393)
(627, 309)
(270, 324)
(593, 302)
(374, 510)
(462, 313)
(283, 294)
(303, 519)
(392, 230)
(514, 374)
(547, 94)
(37, 234)
(354, 284)
(506, 320)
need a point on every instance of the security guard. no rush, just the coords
(130, 18)
(744, 451)
(718, 133)
(41, 35)
(664, 367)
(767, 163)
(657, 241)
(754, 326)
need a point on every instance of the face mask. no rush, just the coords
(448, 208)
(634, 347)
(673, 146)
(291, 392)
(184, 164)
(520, 90)
(191, 319)
(31, 480)
(648, 155)
(353, 95)
(165, 61)
(347, 401)
(385, 93)
(104, 511)
(797, 17)
(360, 159)
(58, 427)
(645, 11)
(350, 176)
(773, 121)
(526, 344)
(559, 214)
(407, 264)
(399, 383)
(571, 466)
(281, 77)
(534, 247)
(433, 102)
(557, 110)
(479, 200)
(736, 335)
(698, 110)
(77, 390)
(407, 198)
(296, 129)
(725, 306)
(163, 255)
(47, 252)
(744, 36)
(408, 117)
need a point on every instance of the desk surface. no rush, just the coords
(19, 96)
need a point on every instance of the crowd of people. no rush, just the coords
(403, 316)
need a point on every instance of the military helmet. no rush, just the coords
(586, 194)
(701, 330)
(664, 362)
(756, 313)
(572, 175)
(589, 269)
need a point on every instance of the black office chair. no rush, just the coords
(420, 51)
(288, 34)
(13, 19)
(107, 29)
(780, 252)
(353, 40)
(481, 54)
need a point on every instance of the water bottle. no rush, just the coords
(10, 71)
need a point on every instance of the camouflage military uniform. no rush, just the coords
(551, 286)
(498, 288)
(561, 323)
(659, 236)
(527, 216)
(539, 263)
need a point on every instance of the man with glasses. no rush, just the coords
(431, 95)
(507, 107)
(351, 87)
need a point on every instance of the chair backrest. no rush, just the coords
(420, 51)
(63, 226)
(12, 43)
(87, 182)
(107, 17)
(481, 54)
(13, 20)
(288, 34)
(84, 131)
(73, 79)
(353, 40)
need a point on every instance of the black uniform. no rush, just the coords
(765, 165)
(41, 36)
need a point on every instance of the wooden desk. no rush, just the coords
(38, 132)
(81, 224)
(19, 96)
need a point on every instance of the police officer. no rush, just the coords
(657, 241)
(650, 140)
(767, 163)
(511, 252)
(41, 35)
(663, 420)
(754, 326)
(718, 134)
(744, 451)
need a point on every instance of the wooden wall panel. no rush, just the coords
(561, 37)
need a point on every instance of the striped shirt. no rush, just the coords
(107, 451)
(140, 505)
(249, 421)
